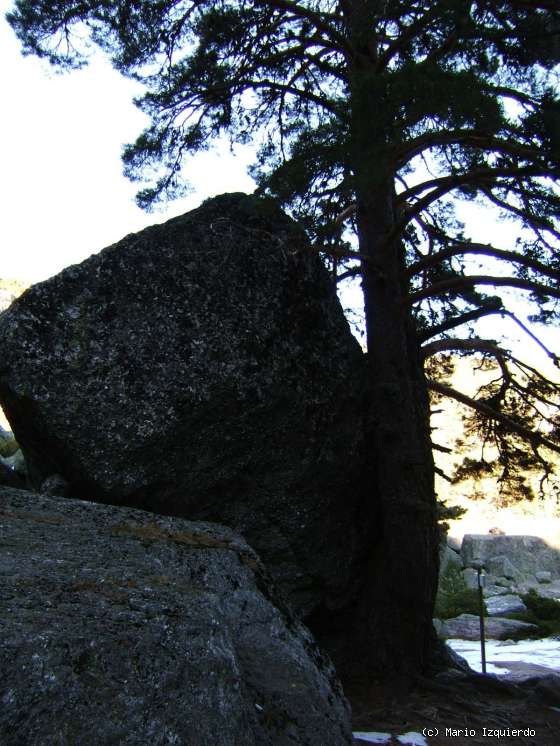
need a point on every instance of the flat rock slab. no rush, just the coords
(121, 627)
(522, 671)
(509, 603)
(467, 627)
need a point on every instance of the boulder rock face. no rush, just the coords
(518, 557)
(118, 626)
(501, 605)
(203, 368)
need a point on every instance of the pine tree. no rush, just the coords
(372, 117)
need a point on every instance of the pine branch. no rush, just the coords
(465, 318)
(459, 284)
(555, 359)
(444, 184)
(354, 272)
(300, 93)
(512, 93)
(533, 220)
(439, 447)
(442, 474)
(345, 214)
(472, 138)
(461, 248)
(321, 21)
(473, 345)
(530, 436)
(406, 36)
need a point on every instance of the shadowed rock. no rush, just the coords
(203, 368)
(467, 627)
(9, 478)
(118, 626)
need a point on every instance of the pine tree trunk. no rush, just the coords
(393, 623)
(396, 610)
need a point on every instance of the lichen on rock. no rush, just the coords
(118, 626)
(204, 368)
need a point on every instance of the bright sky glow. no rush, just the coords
(62, 192)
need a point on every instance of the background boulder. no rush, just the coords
(467, 627)
(517, 557)
(118, 626)
(204, 368)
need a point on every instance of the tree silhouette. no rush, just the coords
(372, 117)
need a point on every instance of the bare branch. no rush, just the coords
(350, 210)
(442, 449)
(354, 272)
(442, 474)
(555, 359)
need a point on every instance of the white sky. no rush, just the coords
(62, 192)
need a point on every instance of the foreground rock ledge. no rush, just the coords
(119, 626)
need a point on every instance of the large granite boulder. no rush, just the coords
(118, 626)
(448, 559)
(517, 557)
(203, 368)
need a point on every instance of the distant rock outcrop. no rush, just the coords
(119, 626)
(203, 368)
(514, 557)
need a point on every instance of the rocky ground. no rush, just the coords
(522, 693)
(475, 711)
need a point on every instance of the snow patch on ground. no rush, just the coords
(544, 652)
(412, 739)
(407, 739)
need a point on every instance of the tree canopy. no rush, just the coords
(372, 117)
